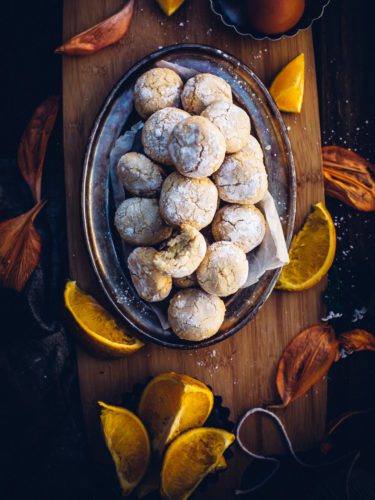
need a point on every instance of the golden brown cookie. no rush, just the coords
(138, 222)
(149, 282)
(139, 175)
(224, 269)
(195, 315)
(188, 201)
(157, 130)
(156, 89)
(204, 89)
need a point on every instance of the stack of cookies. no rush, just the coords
(202, 170)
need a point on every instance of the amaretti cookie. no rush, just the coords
(182, 254)
(241, 179)
(223, 270)
(150, 283)
(188, 201)
(138, 222)
(253, 148)
(139, 175)
(195, 315)
(156, 89)
(243, 225)
(204, 89)
(196, 147)
(232, 121)
(157, 130)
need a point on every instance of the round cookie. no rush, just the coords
(241, 179)
(156, 89)
(195, 315)
(243, 225)
(138, 222)
(157, 130)
(253, 148)
(197, 147)
(232, 121)
(223, 270)
(186, 281)
(204, 89)
(182, 254)
(139, 175)
(188, 201)
(150, 284)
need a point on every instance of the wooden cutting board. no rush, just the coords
(241, 369)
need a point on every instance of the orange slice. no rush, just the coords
(128, 443)
(288, 86)
(189, 459)
(311, 253)
(97, 328)
(171, 404)
(170, 6)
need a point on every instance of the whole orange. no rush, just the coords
(274, 16)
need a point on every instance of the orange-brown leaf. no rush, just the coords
(101, 35)
(305, 360)
(357, 340)
(348, 177)
(20, 247)
(33, 144)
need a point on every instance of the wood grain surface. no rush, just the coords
(241, 369)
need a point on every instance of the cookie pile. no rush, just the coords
(195, 158)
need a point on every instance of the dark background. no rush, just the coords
(43, 452)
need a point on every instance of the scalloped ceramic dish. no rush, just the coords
(232, 14)
(103, 243)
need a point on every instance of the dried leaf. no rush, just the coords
(33, 144)
(348, 177)
(101, 35)
(305, 360)
(357, 340)
(20, 247)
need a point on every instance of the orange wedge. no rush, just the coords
(170, 6)
(171, 404)
(190, 457)
(288, 86)
(311, 253)
(128, 443)
(97, 328)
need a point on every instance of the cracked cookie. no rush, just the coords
(139, 175)
(243, 225)
(232, 121)
(204, 89)
(197, 147)
(188, 201)
(223, 270)
(157, 131)
(182, 253)
(195, 315)
(253, 148)
(156, 89)
(150, 283)
(241, 179)
(138, 222)
(186, 281)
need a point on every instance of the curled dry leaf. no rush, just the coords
(305, 360)
(33, 144)
(357, 340)
(20, 247)
(349, 177)
(101, 35)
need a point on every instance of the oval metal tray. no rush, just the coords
(101, 237)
